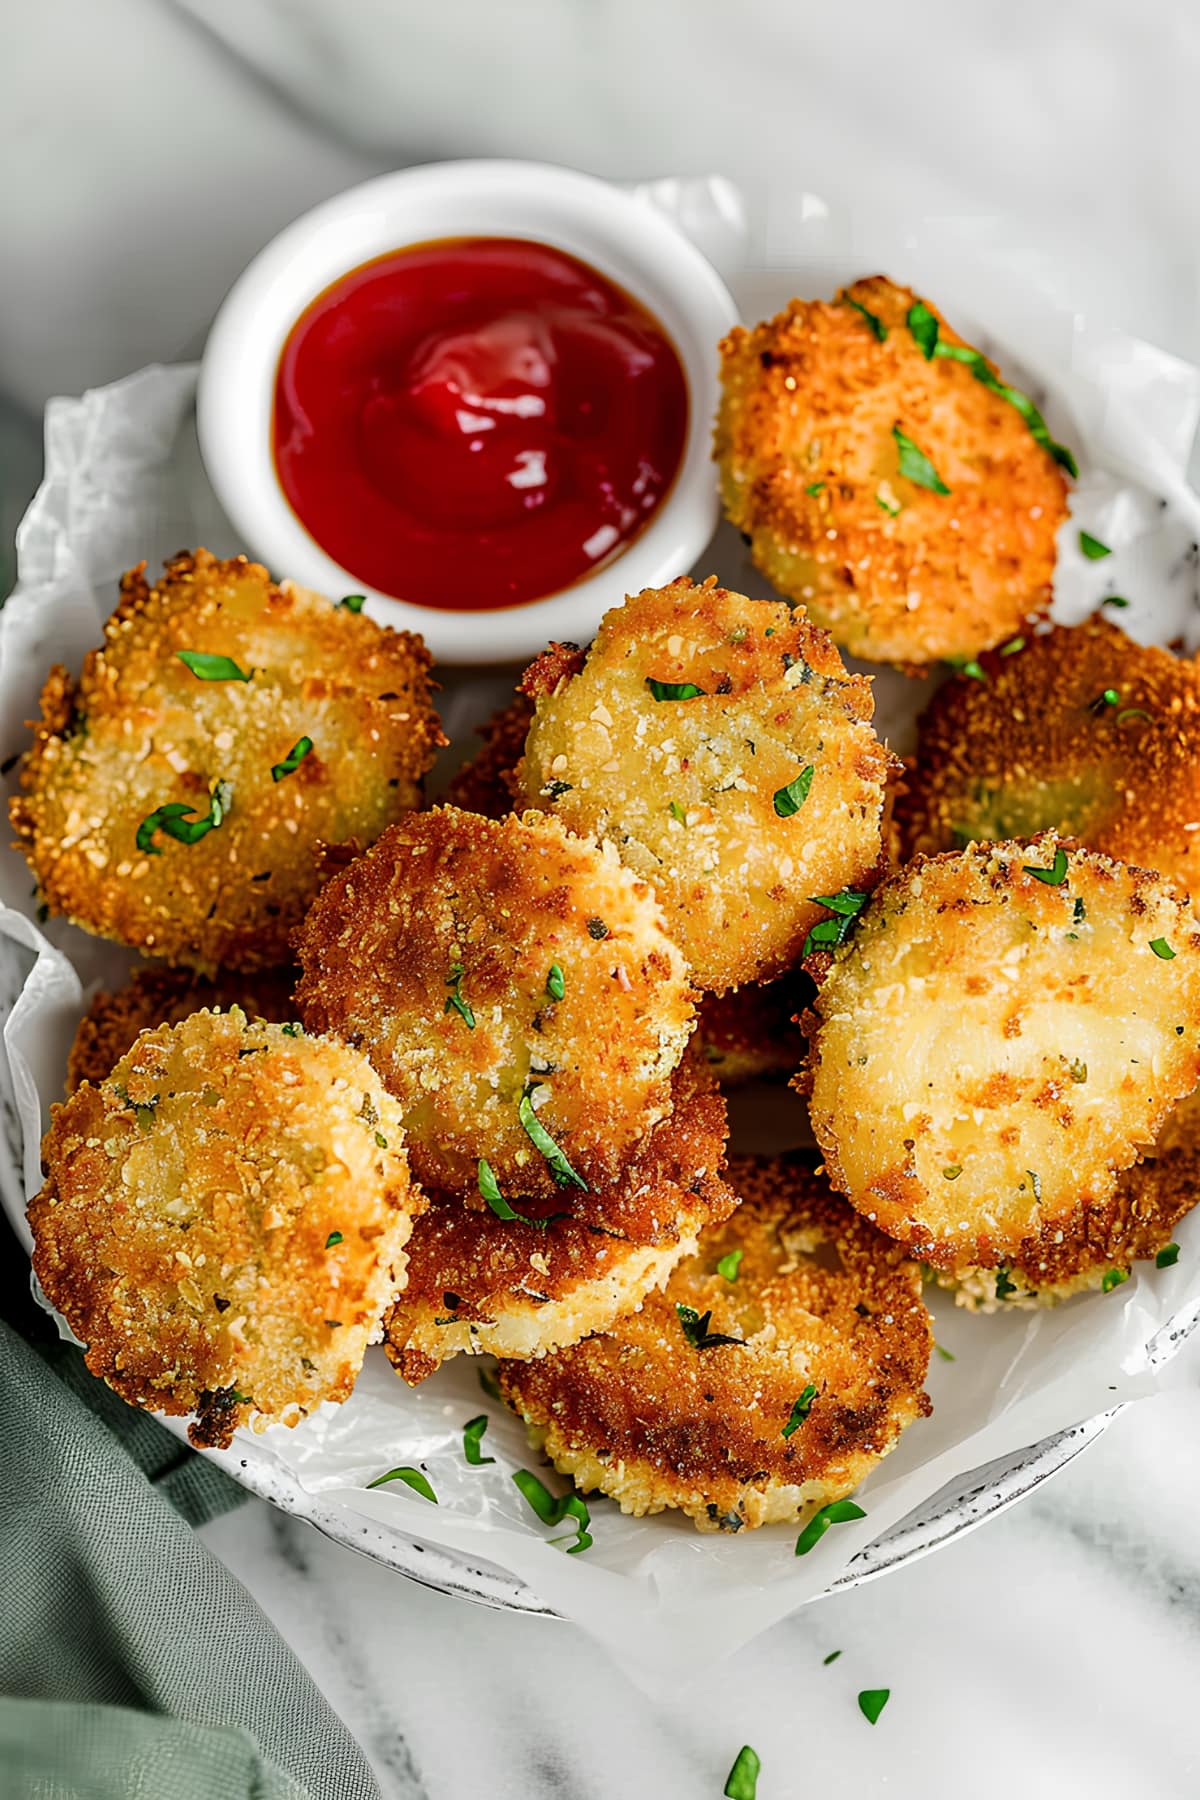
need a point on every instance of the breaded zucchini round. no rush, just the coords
(1080, 731)
(516, 990)
(165, 997)
(1004, 1034)
(484, 784)
(752, 1032)
(478, 1283)
(721, 745)
(830, 1346)
(174, 794)
(224, 1219)
(885, 475)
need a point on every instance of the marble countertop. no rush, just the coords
(153, 146)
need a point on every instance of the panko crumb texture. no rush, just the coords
(1004, 1034)
(830, 1336)
(721, 745)
(508, 981)
(223, 1220)
(155, 996)
(140, 732)
(899, 570)
(478, 1283)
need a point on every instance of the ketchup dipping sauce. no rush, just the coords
(476, 422)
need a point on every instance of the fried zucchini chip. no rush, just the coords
(516, 990)
(885, 475)
(166, 997)
(752, 1032)
(571, 1265)
(224, 1220)
(1080, 731)
(174, 794)
(1004, 1034)
(721, 745)
(484, 784)
(776, 1368)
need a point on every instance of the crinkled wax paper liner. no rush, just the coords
(124, 482)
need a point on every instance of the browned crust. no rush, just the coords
(669, 1189)
(484, 784)
(165, 997)
(819, 1297)
(548, 670)
(139, 731)
(810, 399)
(1033, 747)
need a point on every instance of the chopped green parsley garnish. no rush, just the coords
(1110, 697)
(212, 668)
(597, 929)
(1132, 712)
(801, 1407)
(1113, 1279)
(1055, 875)
(878, 327)
(846, 907)
(412, 1477)
(871, 1703)
(381, 1140)
(741, 1783)
(915, 466)
(1038, 431)
(831, 1658)
(292, 1029)
(946, 1355)
(489, 1189)
(292, 760)
(892, 508)
(1116, 600)
(541, 1140)
(674, 690)
(473, 1432)
(1077, 1070)
(969, 666)
(335, 1237)
(953, 1172)
(813, 489)
(1167, 1257)
(1092, 548)
(1004, 1287)
(677, 812)
(552, 1511)
(456, 1001)
(1080, 911)
(838, 1512)
(175, 820)
(924, 327)
(790, 799)
(1012, 646)
(695, 1329)
(352, 602)
(554, 790)
(730, 1263)
(556, 984)
(1161, 948)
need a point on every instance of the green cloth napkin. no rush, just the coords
(131, 1661)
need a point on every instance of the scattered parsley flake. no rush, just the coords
(456, 1001)
(292, 760)
(413, 1478)
(970, 666)
(831, 1658)
(892, 508)
(473, 1432)
(489, 1189)
(812, 490)
(1012, 646)
(552, 1511)
(292, 1029)
(871, 1703)
(677, 812)
(381, 1140)
(1055, 875)
(1161, 948)
(1004, 1287)
(978, 365)
(541, 1140)
(1078, 1070)
(695, 1329)
(788, 800)
(556, 982)
(829, 933)
(553, 790)
(741, 1783)
(212, 668)
(838, 1512)
(1092, 548)
(1113, 1279)
(730, 1263)
(1132, 712)
(597, 929)
(1110, 697)
(335, 1237)
(1116, 600)
(953, 1172)
(801, 1407)
(674, 690)
(924, 326)
(175, 820)
(878, 328)
(1167, 1257)
(352, 603)
(915, 466)
(946, 1355)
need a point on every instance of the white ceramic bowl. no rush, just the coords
(624, 238)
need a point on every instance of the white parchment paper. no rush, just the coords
(124, 481)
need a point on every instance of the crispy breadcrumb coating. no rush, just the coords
(811, 474)
(478, 1283)
(830, 1326)
(484, 784)
(140, 732)
(224, 1219)
(1081, 731)
(721, 745)
(752, 1032)
(165, 997)
(494, 968)
(990, 1050)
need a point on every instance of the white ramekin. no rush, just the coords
(626, 239)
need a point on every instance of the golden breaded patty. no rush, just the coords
(752, 1032)
(1004, 1034)
(1080, 731)
(477, 1283)
(508, 981)
(902, 496)
(721, 745)
(832, 1346)
(224, 1219)
(166, 997)
(174, 805)
(484, 784)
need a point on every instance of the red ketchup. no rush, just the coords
(476, 422)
